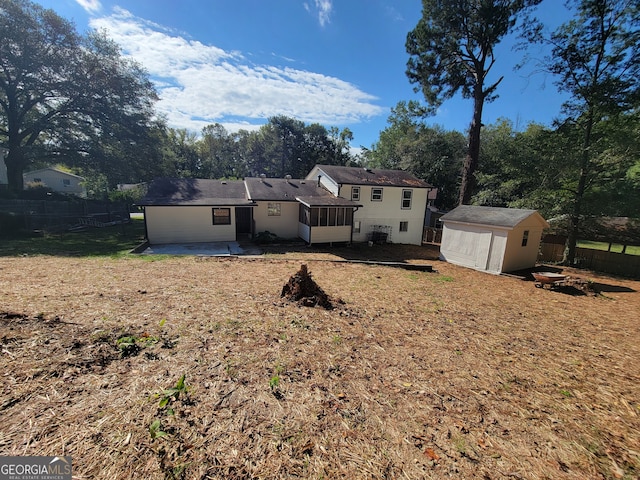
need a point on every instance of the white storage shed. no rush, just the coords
(492, 239)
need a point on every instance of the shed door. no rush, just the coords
(484, 247)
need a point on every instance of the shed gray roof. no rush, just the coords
(192, 191)
(492, 216)
(372, 176)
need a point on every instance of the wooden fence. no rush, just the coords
(597, 260)
(432, 235)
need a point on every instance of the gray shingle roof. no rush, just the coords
(191, 191)
(291, 190)
(372, 176)
(494, 216)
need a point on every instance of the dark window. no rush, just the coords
(355, 193)
(376, 194)
(404, 226)
(525, 238)
(406, 199)
(222, 216)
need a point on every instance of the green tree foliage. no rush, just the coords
(595, 60)
(452, 50)
(220, 154)
(72, 98)
(430, 153)
(515, 166)
(181, 155)
(283, 146)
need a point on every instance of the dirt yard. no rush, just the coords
(188, 367)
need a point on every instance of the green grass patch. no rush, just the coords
(107, 241)
(616, 248)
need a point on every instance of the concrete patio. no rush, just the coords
(212, 249)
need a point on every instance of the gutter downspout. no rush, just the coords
(352, 220)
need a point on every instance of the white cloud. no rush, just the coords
(202, 84)
(91, 6)
(323, 9)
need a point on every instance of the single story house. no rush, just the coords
(179, 210)
(317, 209)
(293, 208)
(57, 180)
(491, 239)
(186, 210)
(393, 202)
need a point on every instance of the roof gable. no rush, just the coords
(371, 176)
(55, 170)
(492, 216)
(192, 191)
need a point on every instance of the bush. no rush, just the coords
(265, 237)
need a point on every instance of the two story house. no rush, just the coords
(333, 204)
(392, 202)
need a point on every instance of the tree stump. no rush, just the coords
(303, 289)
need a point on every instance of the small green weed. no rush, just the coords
(274, 382)
(171, 395)
(155, 430)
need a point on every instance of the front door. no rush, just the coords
(244, 217)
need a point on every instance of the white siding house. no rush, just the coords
(57, 180)
(323, 208)
(196, 211)
(491, 239)
(393, 202)
(293, 208)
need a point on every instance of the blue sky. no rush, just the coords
(337, 63)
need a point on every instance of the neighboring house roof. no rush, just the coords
(190, 191)
(491, 216)
(290, 190)
(372, 176)
(124, 187)
(53, 169)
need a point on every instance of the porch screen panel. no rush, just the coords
(348, 216)
(332, 217)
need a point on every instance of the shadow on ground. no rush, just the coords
(361, 251)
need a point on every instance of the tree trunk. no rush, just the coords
(15, 168)
(470, 165)
(574, 225)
